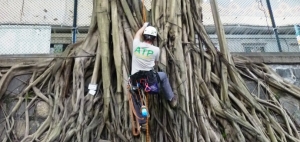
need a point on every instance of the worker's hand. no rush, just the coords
(146, 24)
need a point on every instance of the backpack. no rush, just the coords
(147, 80)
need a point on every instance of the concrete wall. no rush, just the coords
(291, 104)
(237, 44)
(286, 65)
(290, 73)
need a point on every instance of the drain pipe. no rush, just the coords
(74, 29)
(274, 25)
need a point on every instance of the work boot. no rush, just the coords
(173, 102)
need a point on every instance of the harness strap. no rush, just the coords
(133, 114)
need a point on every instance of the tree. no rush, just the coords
(86, 88)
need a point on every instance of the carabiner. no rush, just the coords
(147, 88)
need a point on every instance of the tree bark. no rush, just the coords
(86, 87)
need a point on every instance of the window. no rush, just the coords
(57, 48)
(254, 47)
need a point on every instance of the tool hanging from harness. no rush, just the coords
(135, 103)
(140, 82)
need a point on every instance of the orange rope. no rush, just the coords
(144, 13)
(147, 121)
(135, 123)
(131, 104)
(147, 124)
(134, 116)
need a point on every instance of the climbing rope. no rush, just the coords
(147, 121)
(141, 96)
(147, 96)
(144, 13)
(134, 117)
(133, 114)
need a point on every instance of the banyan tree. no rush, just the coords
(86, 91)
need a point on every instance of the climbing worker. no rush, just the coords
(145, 56)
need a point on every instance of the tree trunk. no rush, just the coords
(86, 93)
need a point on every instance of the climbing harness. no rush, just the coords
(140, 85)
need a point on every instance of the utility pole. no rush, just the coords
(274, 25)
(74, 29)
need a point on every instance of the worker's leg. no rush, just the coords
(166, 86)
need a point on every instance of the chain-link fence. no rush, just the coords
(39, 27)
(248, 26)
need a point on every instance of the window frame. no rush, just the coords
(256, 47)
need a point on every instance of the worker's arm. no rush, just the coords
(139, 33)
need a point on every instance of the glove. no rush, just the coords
(146, 24)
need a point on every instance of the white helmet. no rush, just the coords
(150, 31)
